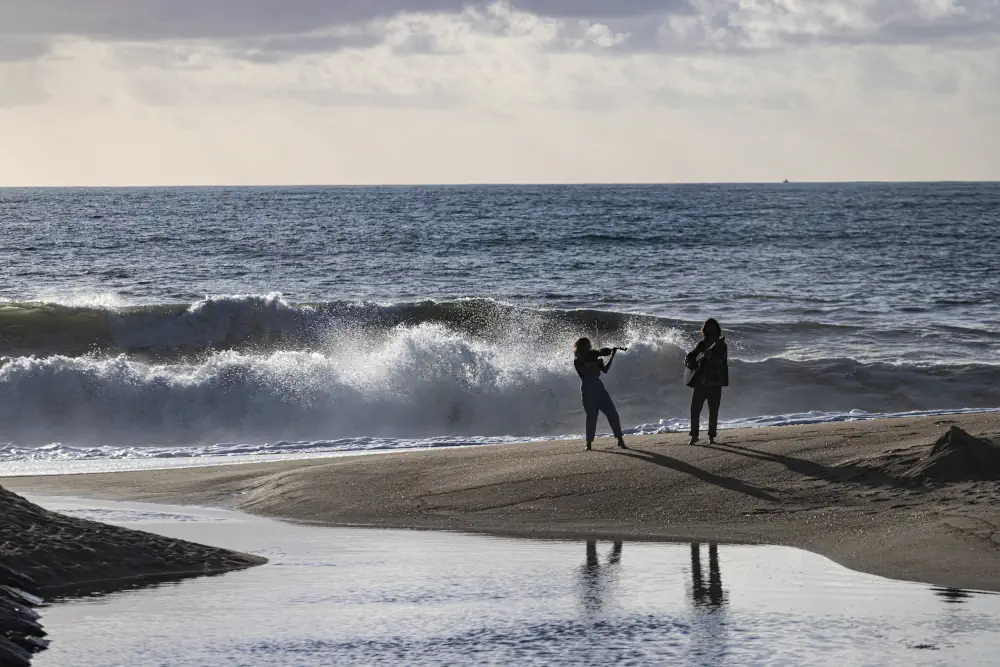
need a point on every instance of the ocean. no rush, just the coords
(189, 322)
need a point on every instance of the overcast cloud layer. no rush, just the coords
(362, 91)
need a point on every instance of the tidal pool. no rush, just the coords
(356, 596)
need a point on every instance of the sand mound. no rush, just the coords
(66, 555)
(957, 457)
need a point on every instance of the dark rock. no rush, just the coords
(12, 655)
(34, 644)
(22, 597)
(14, 579)
(13, 624)
(21, 634)
(27, 643)
(19, 608)
(957, 457)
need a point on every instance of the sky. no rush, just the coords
(277, 92)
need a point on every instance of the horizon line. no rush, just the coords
(499, 184)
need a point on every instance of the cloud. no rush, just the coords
(766, 24)
(197, 19)
(271, 29)
(13, 49)
(496, 59)
(192, 19)
(266, 30)
(21, 86)
(383, 87)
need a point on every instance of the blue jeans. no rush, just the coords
(714, 397)
(596, 399)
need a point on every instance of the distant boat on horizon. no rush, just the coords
(786, 181)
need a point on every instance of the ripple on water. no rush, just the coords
(339, 596)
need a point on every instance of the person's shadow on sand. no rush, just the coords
(718, 480)
(594, 577)
(842, 473)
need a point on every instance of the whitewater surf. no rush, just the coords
(239, 374)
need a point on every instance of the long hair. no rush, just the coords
(581, 346)
(711, 324)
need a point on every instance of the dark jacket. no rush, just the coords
(590, 367)
(711, 359)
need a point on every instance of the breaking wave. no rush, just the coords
(429, 382)
(269, 322)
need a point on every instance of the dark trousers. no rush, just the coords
(714, 397)
(596, 399)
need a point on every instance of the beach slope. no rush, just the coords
(869, 495)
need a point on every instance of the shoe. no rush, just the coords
(588, 446)
(621, 443)
(711, 440)
(694, 440)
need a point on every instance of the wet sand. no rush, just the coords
(833, 489)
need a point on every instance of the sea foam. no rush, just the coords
(411, 383)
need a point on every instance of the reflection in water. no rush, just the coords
(711, 596)
(952, 595)
(709, 635)
(358, 597)
(594, 577)
(955, 616)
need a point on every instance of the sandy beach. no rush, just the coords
(864, 494)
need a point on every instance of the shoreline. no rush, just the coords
(832, 489)
(112, 464)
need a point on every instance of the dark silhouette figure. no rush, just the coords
(592, 575)
(707, 373)
(711, 596)
(589, 367)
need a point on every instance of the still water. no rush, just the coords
(354, 596)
